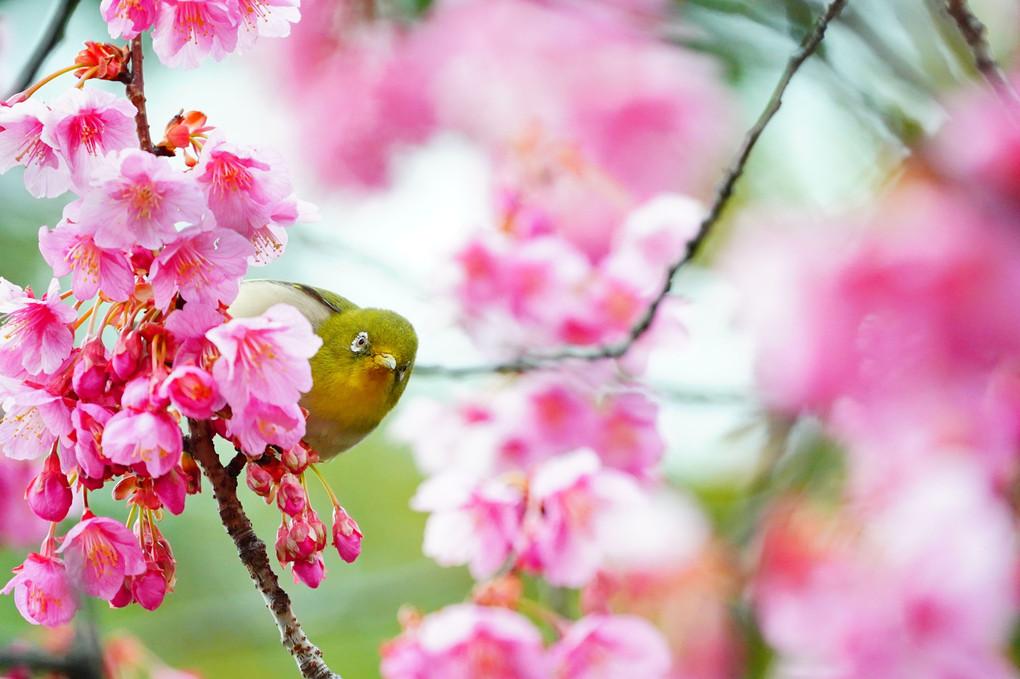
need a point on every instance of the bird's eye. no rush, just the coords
(360, 342)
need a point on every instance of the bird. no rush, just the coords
(360, 371)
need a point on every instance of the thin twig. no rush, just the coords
(723, 193)
(252, 552)
(136, 94)
(974, 33)
(54, 33)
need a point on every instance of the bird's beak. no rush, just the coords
(385, 360)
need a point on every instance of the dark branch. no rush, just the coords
(54, 33)
(252, 552)
(723, 193)
(974, 33)
(136, 93)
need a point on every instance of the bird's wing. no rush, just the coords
(255, 296)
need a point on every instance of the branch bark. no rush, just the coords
(974, 33)
(252, 552)
(723, 193)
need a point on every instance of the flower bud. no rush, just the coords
(310, 571)
(259, 479)
(291, 498)
(295, 459)
(128, 354)
(90, 371)
(346, 535)
(49, 493)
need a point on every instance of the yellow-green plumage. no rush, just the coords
(360, 371)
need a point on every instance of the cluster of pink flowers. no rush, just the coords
(897, 329)
(186, 32)
(96, 386)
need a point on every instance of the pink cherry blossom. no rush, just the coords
(143, 432)
(464, 641)
(193, 391)
(259, 424)
(69, 250)
(610, 646)
(265, 357)
(247, 188)
(85, 125)
(21, 126)
(137, 198)
(127, 18)
(100, 553)
(34, 420)
(42, 592)
(268, 18)
(36, 334)
(187, 31)
(89, 420)
(204, 266)
(571, 499)
(473, 522)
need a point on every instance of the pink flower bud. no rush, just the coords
(90, 371)
(310, 571)
(149, 588)
(346, 535)
(295, 459)
(259, 480)
(127, 356)
(172, 488)
(291, 498)
(49, 493)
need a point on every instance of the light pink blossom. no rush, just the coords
(70, 250)
(137, 198)
(21, 143)
(247, 188)
(100, 553)
(464, 641)
(143, 431)
(265, 357)
(42, 592)
(127, 18)
(610, 646)
(473, 522)
(187, 31)
(34, 420)
(259, 424)
(193, 391)
(268, 18)
(204, 266)
(85, 125)
(36, 334)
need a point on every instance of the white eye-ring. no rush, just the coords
(360, 342)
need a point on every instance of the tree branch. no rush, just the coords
(723, 193)
(136, 93)
(252, 552)
(974, 33)
(50, 39)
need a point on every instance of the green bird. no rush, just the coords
(359, 372)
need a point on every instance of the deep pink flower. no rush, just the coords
(100, 552)
(42, 591)
(465, 640)
(36, 334)
(149, 588)
(204, 266)
(87, 124)
(193, 391)
(473, 522)
(291, 497)
(137, 198)
(89, 420)
(310, 571)
(188, 31)
(265, 357)
(128, 18)
(247, 188)
(610, 646)
(68, 249)
(346, 535)
(21, 126)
